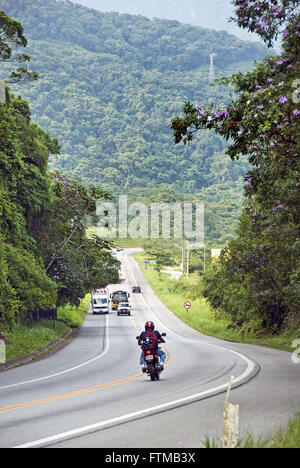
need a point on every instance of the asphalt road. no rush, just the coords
(92, 394)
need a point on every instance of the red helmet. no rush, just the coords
(149, 325)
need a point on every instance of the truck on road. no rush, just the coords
(117, 297)
(100, 301)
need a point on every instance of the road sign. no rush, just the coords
(216, 252)
(187, 305)
(145, 261)
(152, 262)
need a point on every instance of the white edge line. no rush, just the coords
(145, 412)
(68, 370)
(127, 417)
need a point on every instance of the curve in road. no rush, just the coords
(85, 393)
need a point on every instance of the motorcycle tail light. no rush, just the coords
(148, 351)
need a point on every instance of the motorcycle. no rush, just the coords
(153, 367)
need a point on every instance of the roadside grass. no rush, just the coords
(288, 438)
(26, 339)
(73, 316)
(173, 293)
(129, 243)
(202, 317)
(199, 316)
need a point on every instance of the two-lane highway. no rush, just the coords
(92, 393)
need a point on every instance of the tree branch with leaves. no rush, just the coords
(11, 38)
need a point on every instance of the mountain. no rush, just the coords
(212, 14)
(109, 86)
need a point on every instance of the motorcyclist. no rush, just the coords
(150, 327)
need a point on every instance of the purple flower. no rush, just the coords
(283, 99)
(282, 61)
(201, 111)
(296, 112)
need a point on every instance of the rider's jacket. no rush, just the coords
(144, 334)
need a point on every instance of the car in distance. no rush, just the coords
(124, 308)
(136, 289)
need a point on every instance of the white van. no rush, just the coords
(100, 301)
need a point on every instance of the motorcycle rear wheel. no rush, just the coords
(152, 371)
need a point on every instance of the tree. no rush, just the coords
(76, 263)
(12, 36)
(163, 257)
(266, 18)
(262, 123)
(9, 303)
(24, 189)
(46, 259)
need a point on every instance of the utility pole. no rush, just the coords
(187, 262)
(183, 255)
(2, 92)
(204, 259)
(212, 68)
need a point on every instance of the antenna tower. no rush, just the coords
(212, 68)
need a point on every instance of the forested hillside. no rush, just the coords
(109, 86)
(212, 14)
(42, 221)
(46, 259)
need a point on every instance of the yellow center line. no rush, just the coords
(83, 391)
(70, 394)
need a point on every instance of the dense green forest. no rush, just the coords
(212, 14)
(46, 259)
(109, 87)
